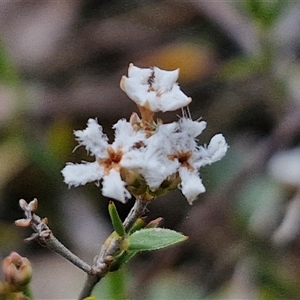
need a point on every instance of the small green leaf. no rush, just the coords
(116, 221)
(153, 239)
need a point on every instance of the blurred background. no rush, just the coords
(61, 63)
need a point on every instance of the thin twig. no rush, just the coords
(44, 235)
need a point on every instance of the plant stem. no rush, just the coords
(103, 261)
(136, 212)
(55, 245)
(89, 285)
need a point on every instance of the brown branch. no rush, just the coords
(44, 235)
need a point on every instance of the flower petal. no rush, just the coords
(191, 184)
(113, 187)
(172, 100)
(140, 74)
(157, 170)
(190, 127)
(125, 136)
(80, 174)
(163, 81)
(217, 147)
(92, 138)
(135, 90)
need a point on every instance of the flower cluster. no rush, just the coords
(147, 158)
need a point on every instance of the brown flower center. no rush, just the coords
(183, 158)
(112, 161)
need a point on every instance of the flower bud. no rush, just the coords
(33, 205)
(23, 222)
(154, 223)
(17, 271)
(23, 204)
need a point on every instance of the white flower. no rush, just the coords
(154, 89)
(108, 158)
(191, 184)
(147, 158)
(191, 157)
(172, 149)
(152, 160)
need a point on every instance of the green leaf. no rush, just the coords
(117, 285)
(116, 221)
(153, 239)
